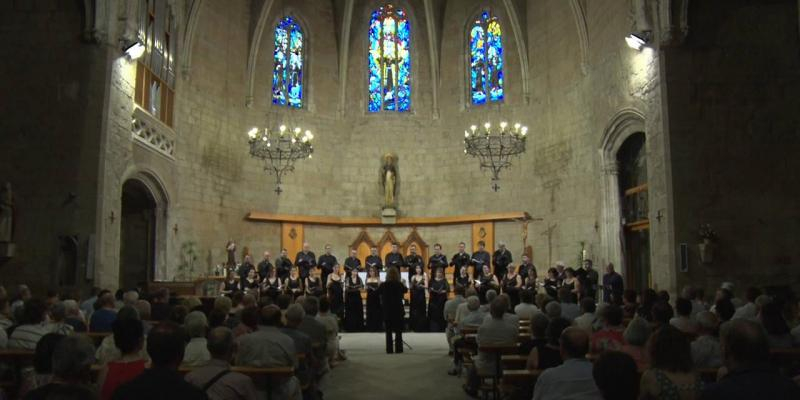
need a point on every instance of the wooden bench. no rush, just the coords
(496, 351)
(514, 361)
(97, 337)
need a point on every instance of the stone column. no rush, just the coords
(611, 234)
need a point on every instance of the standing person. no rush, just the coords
(511, 284)
(305, 260)
(294, 283)
(485, 283)
(335, 287)
(501, 259)
(417, 313)
(352, 262)
(244, 270)
(394, 258)
(464, 280)
(354, 306)
(391, 294)
(551, 283)
(374, 311)
(526, 268)
(438, 288)
(479, 259)
(590, 279)
(374, 260)
(326, 263)
(412, 260)
(272, 286)
(437, 260)
(250, 284)
(572, 283)
(230, 249)
(613, 286)
(283, 264)
(461, 259)
(265, 266)
(314, 283)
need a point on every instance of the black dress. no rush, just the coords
(486, 284)
(419, 319)
(354, 307)
(464, 282)
(336, 296)
(271, 288)
(374, 311)
(511, 288)
(391, 295)
(294, 287)
(439, 288)
(314, 286)
(551, 287)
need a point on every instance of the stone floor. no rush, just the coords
(370, 373)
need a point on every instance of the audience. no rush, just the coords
(450, 309)
(636, 334)
(42, 372)
(72, 371)
(586, 320)
(32, 325)
(616, 376)
(549, 355)
(216, 378)
(472, 318)
(314, 329)
(538, 338)
(129, 340)
(573, 379)
(629, 304)
(248, 321)
(108, 351)
(160, 308)
(670, 375)
(58, 312)
(196, 326)
(660, 314)
(745, 351)
(610, 336)
(495, 331)
(569, 309)
(526, 309)
(775, 326)
(706, 351)
(749, 310)
(73, 317)
(683, 321)
(302, 345)
(104, 316)
(331, 324)
(553, 310)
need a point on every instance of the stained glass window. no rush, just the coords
(389, 60)
(287, 71)
(486, 59)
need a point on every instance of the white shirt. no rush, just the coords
(570, 311)
(585, 321)
(747, 311)
(25, 337)
(706, 352)
(526, 310)
(196, 353)
(569, 381)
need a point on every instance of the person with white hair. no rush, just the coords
(706, 352)
(72, 371)
(196, 352)
(58, 312)
(130, 298)
(216, 378)
(74, 317)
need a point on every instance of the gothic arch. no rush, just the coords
(157, 190)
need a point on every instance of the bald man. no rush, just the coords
(305, 260)
(573, 379)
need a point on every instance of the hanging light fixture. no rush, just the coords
(279, 148)
(494, 145)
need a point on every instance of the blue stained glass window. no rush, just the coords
(287, 71)
(389, 60)
(486, 59)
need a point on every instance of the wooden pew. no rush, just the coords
(496, 351)
(97, 337)
(16, 359)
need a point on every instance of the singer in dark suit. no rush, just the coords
(391, 294)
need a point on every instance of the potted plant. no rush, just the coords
(708, 236)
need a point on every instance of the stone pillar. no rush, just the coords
(611, 234)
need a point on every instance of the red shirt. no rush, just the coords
(118, 373)
(607, 339)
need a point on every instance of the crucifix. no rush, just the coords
(549, 233)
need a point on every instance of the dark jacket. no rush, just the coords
(391, 295)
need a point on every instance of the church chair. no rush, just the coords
(497, 352)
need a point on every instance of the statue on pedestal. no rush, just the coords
(389, 180)
(6, 213)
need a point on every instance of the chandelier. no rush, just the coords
(280, 148)
(495, 147)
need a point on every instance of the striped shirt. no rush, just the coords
(26, 336)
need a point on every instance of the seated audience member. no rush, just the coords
(699, 302)
(216, 377)
(314, 329)
(670, 375)
(461, 310)
(586, 320)
(636, 334)
(569, 309)
(23, 295)
(178, 314)
(526, 309)
(130, 298)
(629, 304)
(496, 331)
(73, 316)
(573, 379)
(549, 355)
(196, 327)
(616, 376)
(104, 316)
(42, 372)
(58, 312)
(539, 324)
(160, 308)
(32, 328)
(745, 353)
(778, 333)
(192, 303)
(490, 295)
(724, 310)
(660, 314)
(472, 318)
(248, 321)
(302, 344)
(647, 299)
(553, 310)
(450, 308)
(683, 321)
(6, 320)
(706, 352)
(331, 325)
(217, 318)
(72, 371)
(165, 345)
(108, 350)
(610, 336)
(269, 347)
(508, 316)
(129, 339)
(749, 310)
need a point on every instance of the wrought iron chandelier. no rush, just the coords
(280, 148)
(495, 147)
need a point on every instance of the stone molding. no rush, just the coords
(152, 134)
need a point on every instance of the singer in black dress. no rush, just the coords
(374, 311)
(391, 294)
(294, 283)
(438, 288)
(335, 287)
(354, 306)
(417, 312)
(486, 282)
(314, 283)
(511, 285)
(271, 286)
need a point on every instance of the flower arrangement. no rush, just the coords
(707, 233)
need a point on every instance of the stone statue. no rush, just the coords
(389, 180)
(6, 212)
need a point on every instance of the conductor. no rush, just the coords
(391, 294)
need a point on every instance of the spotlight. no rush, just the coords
(134, 50)
(637, 40)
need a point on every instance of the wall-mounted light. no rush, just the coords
(134, 50)
(637, 40)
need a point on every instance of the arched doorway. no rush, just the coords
(633, 200)
(137, 248)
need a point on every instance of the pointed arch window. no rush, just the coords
(154, 89)
(287, 70)
(486, 75)
(389, 60)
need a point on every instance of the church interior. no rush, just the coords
(155, 145)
